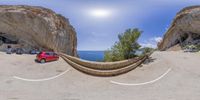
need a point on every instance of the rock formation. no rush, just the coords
(37, 27)
(185, 29)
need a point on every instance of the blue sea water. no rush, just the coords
(91, 55)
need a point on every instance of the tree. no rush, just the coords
(126, 46)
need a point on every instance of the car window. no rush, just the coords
(54, 54)
(51, 53)
(47, 53)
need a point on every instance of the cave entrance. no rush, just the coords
(189, 38)
(181, 40)
(7, 40)
(11, 41)
(184, 37)
(195, 39)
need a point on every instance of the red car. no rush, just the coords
(47, 56)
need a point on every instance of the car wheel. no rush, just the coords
(43, 61)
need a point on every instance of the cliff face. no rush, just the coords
(185, 29)
(38, 27)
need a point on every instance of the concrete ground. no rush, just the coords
(181, 83)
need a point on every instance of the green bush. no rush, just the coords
(126, 46)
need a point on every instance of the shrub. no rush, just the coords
(126, 46)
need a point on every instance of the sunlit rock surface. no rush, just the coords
(37, 27)
(184, 30)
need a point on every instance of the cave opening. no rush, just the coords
(195, 39)
(189, 38)
(184, 37)
(8, 41)
(177, 42)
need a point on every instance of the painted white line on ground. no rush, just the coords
(44, 79)
(144, 83)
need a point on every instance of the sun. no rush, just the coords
(101, 13)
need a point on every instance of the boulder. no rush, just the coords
(37, 27)
(184, 30)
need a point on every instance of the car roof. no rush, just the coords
(48, 52)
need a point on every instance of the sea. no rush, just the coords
(91, 55)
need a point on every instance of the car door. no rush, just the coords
(48, 56)
(55, 56)
(51, 56)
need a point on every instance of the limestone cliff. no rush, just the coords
(185, 29)
(38, 27)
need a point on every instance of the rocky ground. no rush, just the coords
(180, 83)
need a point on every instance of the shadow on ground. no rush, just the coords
(149, 60)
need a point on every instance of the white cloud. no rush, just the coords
(152, 42)
(157, 39)
(148, 45)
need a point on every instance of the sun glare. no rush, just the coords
(100, 13)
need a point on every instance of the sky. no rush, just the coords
(98, 22)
